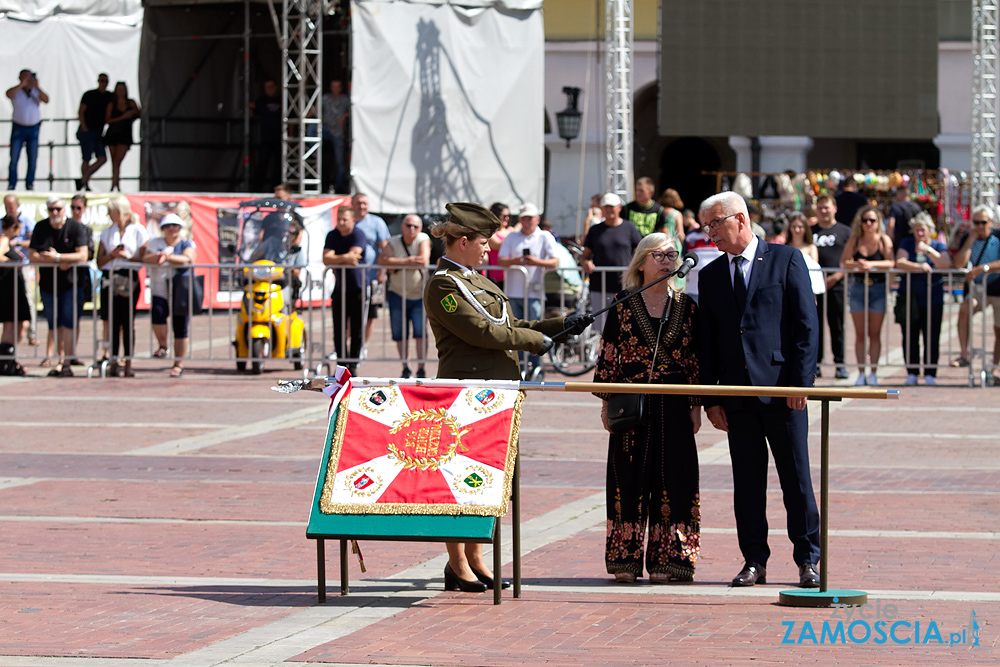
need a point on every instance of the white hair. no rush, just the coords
(984, 209)
(729, 201)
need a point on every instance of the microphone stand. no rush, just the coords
(630, 294)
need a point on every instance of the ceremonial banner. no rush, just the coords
(423, 450)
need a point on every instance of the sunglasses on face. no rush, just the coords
(78, 208)
(660, 255)
(869, 219)
(980, 222)
(53, 209)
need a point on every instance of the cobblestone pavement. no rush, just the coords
(155, 522)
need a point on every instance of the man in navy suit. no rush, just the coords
(759, 328)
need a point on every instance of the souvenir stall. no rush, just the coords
(943, 194)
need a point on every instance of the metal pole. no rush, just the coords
(824, 489)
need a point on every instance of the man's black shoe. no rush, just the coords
(751, 574)
(808, 576)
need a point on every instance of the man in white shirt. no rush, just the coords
(535, 250)
(26, 98)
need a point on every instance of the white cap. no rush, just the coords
(611, 199)
(171, 219)
(528, 210)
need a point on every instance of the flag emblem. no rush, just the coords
(377, 398)
(363, 482)
(486, 396)
(474, 481)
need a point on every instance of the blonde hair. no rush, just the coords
(120, 204)
(452, 232)
(632, 279)
(858, 228)
(923, 219)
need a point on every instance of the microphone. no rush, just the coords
(690, 261)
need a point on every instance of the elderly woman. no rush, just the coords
(921, 295)
(475, 331)
(867, 255)
(173, 256)
(123, 243)
(652, 478)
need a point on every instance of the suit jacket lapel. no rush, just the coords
(759, 262)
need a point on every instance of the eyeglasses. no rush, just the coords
(76, 208)
(53, 209)
(980, 222)
(660, 255)
(714, 224)
(869, 219)
(412, 226)
(505, 217)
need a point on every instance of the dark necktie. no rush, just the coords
(739, 285)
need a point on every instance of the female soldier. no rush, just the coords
(475, 334)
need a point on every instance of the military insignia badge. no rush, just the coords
(449, 303)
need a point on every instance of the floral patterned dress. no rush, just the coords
(653, 470)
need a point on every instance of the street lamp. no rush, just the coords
(569, 118)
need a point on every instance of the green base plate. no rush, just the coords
(813, 597)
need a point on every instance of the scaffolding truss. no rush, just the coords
(301, 94)
(618, 66)
(985, 23)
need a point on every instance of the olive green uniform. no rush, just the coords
(475, 340)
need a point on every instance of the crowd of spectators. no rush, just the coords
(850, 271)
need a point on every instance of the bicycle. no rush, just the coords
(578, 354)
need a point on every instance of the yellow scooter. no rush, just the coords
(266, 327)
(263, 328)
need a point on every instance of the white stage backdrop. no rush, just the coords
(68, 43)
(447, 103)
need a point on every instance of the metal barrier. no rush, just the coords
(225, 297)
(65, 142)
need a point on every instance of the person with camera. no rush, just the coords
(535, 250)
(121, 244)
(26, 98)
(476, 332)
(652, 474)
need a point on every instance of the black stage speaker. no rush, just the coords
(862, 69)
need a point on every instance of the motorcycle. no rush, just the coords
(267, 326)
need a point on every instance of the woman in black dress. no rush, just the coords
(120, 115)
(13, 300)
(652, 473)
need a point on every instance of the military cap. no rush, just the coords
(474, 216)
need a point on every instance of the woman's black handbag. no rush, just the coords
(188, 292)
(626, 412)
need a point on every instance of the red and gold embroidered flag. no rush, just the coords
(423, 450)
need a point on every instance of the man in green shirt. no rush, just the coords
(644, 213)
